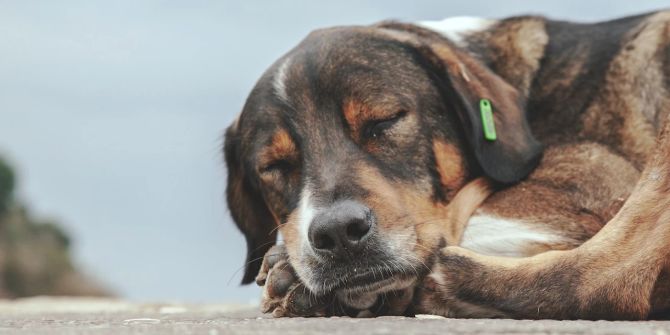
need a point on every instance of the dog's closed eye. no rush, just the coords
(376, 128)
(279, 157)
(280, 165)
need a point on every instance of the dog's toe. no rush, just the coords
(281, 278)
(276, 254)
(283, 293)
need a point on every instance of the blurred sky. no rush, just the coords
(112, 111)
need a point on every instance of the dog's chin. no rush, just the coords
(362, 285)
(373, 285)
(365, 296)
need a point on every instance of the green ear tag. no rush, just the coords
(489, 126)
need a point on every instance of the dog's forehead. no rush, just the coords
(308, 91)
(338, 57)
(329, 67)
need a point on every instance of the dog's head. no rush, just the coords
(353, 143)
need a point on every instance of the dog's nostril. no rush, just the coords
(341, 229)
(323, 242)
(357, 229)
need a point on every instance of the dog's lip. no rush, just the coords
(370, 280)
(368, 286)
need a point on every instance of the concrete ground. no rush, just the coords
(107, 316)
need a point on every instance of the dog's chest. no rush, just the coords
(491, 235)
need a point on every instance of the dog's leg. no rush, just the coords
(614, 275)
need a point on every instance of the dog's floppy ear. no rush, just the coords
(515, 152)
(247, 207)
(463, 82)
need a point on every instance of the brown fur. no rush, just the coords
(513, 49)
(620, 273)
(594, 94)
(614, 275)
(450, 165)
(281, 147)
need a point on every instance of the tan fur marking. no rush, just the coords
(449, 165)
(461, 208)
(352, 111)
(405, 212)
(427, 219)
(290, 232)
(281, 147)
(357, 113)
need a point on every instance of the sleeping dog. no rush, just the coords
(465, 167)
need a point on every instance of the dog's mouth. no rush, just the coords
(395, 283)
(371, 280)
(361, 280)
(364, 290)
(375, 270)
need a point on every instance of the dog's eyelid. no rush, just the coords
(374, 128)
(281, 165)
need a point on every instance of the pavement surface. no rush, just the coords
(109, 316)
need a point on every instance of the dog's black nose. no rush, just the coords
(341, 229)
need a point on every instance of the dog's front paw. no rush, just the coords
(283, 292)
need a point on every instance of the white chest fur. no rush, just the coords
(490, 235)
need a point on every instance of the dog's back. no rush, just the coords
(605, 82)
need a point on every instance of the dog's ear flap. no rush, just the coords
(463, 82)
(247, 207)
(515, 152)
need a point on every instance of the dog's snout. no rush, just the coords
(341, 229)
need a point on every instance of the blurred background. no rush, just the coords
(111, 118)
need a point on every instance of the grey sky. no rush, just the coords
(113, 112)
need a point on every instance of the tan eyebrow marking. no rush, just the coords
(352, 110)
(357, 113)
(281, 146)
